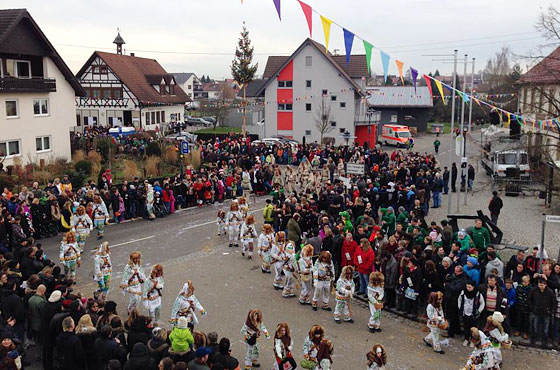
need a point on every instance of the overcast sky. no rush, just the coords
(405, 29)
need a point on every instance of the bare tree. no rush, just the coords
(323, 118)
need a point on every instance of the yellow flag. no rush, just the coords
(327, 30)
(440, 89)
(399, 67)
(509, 119)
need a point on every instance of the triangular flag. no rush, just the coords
(414, 74)
(368, 48)
(277, 5)
(327, 31)
(440, 89)
(429, 84)
(348, 41)
(400, 67)
(385, 61)
(509, 118)
(308, 16)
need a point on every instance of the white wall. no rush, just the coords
(57, 124)
(168, 109)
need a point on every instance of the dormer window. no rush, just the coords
(172, 87)
(162, 88)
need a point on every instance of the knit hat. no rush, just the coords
(182, 323)
(7, 335)
(55, 296)
(407, 254)
(473, 261)
(498, 317)
(202, 351)
(110, 306)
(448, 260)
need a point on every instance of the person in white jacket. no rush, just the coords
(376, 293)
(81, 225)
(233, 222)
(323, 277)
(436, 321)
(289, 266)
(264, 246)
(152, 292)
(305, 265)
(248, 236)
(283, 346)
(70, 256)
(344, 291)
(186, 304)
(102, 270)
(278, 257)
(132, 280)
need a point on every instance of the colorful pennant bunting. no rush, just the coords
(440, 89)
(385, 61)
(327, 31)
(414, 74)
(429, 85)
(400, 67)
(277, 5)
(307, 11)
(348, 41)
(368, 48)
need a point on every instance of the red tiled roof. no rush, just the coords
(273, 64)
(139, 74)
(547, 71)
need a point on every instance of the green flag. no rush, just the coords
(368, 48)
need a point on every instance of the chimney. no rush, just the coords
(131, 54)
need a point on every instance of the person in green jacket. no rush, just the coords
(480, 236)
(402, 218)
(437, 143)
(181, 337)
(268, 212)
(388, 220)
(464, 240)
(347, 224)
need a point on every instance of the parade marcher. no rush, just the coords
(81, 225)
(311, 347)
(152, 292)
(494, 331)
(278, 256)
(305, 267)
(344, 291)
(323, 277)
(132, 280)
(243, 206)
(100, 215)
(70, 256)
(376, 293)
(264, 246)
(289, 267)
(251, 331)
(283, 345)
(221, 222)
(233, 221)
(377, 357)
(436, 322)
(186, 304)
(102, 270)
(484, 356)
(248, 236)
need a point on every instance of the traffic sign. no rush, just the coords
(355, 168)
(184, 147)
(551, 218)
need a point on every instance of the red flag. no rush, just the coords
(429, 84)
(308, 16)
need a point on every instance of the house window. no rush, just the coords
(95, 93)
(333, 123)
(342, 130)
(147, 118)
(172, 89)
(41, 107)
(308, 107)
(99, 70)
(307, 132)
(9, 148)
(157, 117)
(106, 93)
(43, 143)
(342, 105)
(117, 93)
(308, 84)
(189, 87)
(285, 107)
(12, 108)
(18, 68)
(333, 97)
(162, 114)
(285, 83)
(162, 89)
(324, 92)
(153, 117)
(308, 61)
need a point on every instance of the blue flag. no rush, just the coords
(348, 41)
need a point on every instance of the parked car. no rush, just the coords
(198, 122)
(182, 136)
(210, 119)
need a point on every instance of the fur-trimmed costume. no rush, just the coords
(305, 265)
(132, 280)
(251, 331)
(289, 267)
(100, 216)
(103, 268)
(278, 258)
(264, 246)
(375, 294)
(233, 221)
(485, 356)
(435, 319)
(323, 276)
(82, 225)
(221, 222)
(248, 236)
(152, 293)
(70, 258)
(186, 304)
(344, 291)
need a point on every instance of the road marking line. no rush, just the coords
(132, 241)
(211, 222)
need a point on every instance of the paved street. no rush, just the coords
(228, 285)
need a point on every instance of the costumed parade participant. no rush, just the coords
(243, 206)
(233, 222)
(81, 225)
(377, 357)
(132, 280)
(436, 322)
(70, 256)
(305, 263)
(289, 267)
(102, 269)
(290, 183)
(100, 215)
(323, 276)
(221, 222)
(283, 345)
(248, 235)
(152, 292)
(311, 347)
(376, 293)
(251, 331)
(344, 291)
(264, 246)
(278, 257)
(186, 304)
(484, 356)
(494, 331)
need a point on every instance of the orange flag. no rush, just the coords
(399, 67)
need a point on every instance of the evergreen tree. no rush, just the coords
(241, 69)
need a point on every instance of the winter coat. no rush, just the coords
(294, 231)
(522, 303)
(140, 359)
(12, 306)
(494, 264)
(391, 273)
(69, 351)
(138, 333)
(36, 305)
(348, 251)
(542, 303)
(495, 205)
(108, 349)
(367, 259)
(181, 339)
(87, 339)
(473, 273)
(157, 349)
(483, 288)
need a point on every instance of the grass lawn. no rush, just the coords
(219, 130)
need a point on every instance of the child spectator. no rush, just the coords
(521, 308)
(181, 337)
(511, 296)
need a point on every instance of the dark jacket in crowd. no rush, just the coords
(69, 352)
(108, 349)
(138, 333)
(140, 359)
(542, 303)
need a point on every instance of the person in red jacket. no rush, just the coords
(363, 260)
(349, 247)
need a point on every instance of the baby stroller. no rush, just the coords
(159, 207)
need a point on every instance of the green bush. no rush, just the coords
(77, 178)
(83, 166)
(153, 149)
(103, 145)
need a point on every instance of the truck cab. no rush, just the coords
(505, 163)
(397, 135)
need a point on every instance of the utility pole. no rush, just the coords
(470, 122)
(452, 125)
(462, 133)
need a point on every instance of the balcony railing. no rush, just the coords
(35, 84)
